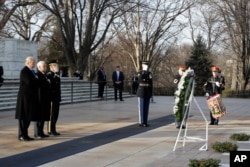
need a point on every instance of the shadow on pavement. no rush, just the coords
(51, 153)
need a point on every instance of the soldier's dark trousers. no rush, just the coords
(23, 128)
(143, 110)
(213, 121)
(101, 89)
(53, 117)
(120, 93)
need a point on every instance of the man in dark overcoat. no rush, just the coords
(101, 79)
(27, 99)
(144, 93)
(44, 99)
(55, 81)
(118, 79)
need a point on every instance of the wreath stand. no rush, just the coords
(182, 135)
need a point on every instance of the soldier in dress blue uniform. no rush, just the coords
(55, 81)
(144, 93)
(214, 85)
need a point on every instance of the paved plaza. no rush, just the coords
(106, 134)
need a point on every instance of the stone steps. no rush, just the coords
(73, 91)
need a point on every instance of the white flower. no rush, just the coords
(189, 72)
(177, 99)
(177, 92)
(175, 109)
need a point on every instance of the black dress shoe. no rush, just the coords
(43, 135)
(23, 138)
(121, 100)
(145, 125)
(183, 127)
(30, 138)
(38, 136)
(54, 133)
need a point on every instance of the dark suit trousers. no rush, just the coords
(23, 128)
(134, 87)
(101, 89)
(38, 129)
(120, 93)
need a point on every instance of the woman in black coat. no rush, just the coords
(27, 99)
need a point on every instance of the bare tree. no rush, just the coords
(83, 26)
(98, 59)
(29, 22)
(150, 28)
(236, 14)
(8, 7)
(205, 20)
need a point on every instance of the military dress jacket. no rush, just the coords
(210, 86)
(27, 98)
(145, 89)
(55, 83)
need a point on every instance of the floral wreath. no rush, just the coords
(182, 93)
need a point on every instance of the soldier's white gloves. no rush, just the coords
(206, 94)
(217, 84)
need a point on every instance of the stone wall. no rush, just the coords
(13, 53)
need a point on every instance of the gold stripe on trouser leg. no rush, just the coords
(50, 117)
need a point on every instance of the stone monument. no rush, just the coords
(12, 55)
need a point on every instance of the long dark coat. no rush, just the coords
(44, 96)
(27, 98)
